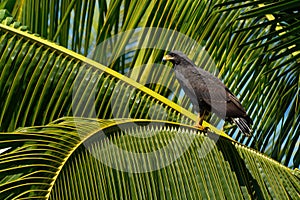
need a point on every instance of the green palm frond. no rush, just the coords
(279, 75)
(60, 76)
(61, 160)
(68, 84)
(254, 47)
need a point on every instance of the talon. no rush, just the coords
(199, 122)
(202, 128)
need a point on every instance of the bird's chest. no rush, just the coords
(190, 77)
(192, 83)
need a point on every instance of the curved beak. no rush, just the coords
(167, 57)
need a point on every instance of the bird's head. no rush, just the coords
(177, 57)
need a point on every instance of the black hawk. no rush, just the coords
(208, 93)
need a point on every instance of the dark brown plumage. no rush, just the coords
(208, 93)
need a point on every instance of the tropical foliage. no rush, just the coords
(55, 162)
(255, 41)
(252, 46)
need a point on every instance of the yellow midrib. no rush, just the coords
(107, 70)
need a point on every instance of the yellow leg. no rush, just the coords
(200, 121)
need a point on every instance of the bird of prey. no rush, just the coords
(208, 93)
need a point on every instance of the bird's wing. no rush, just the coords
(209, 87)
(234, 99)
(201, 86)
(214, 93)
(235, 108)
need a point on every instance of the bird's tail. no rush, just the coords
(244, 125)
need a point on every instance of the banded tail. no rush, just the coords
(244, 125)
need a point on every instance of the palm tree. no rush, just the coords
(253, 46)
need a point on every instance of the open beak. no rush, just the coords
(167, 57)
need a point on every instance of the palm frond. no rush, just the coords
(253, 46)
(68, 84)
(71, 157)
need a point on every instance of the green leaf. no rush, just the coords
(244, 40)
(94, 158)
